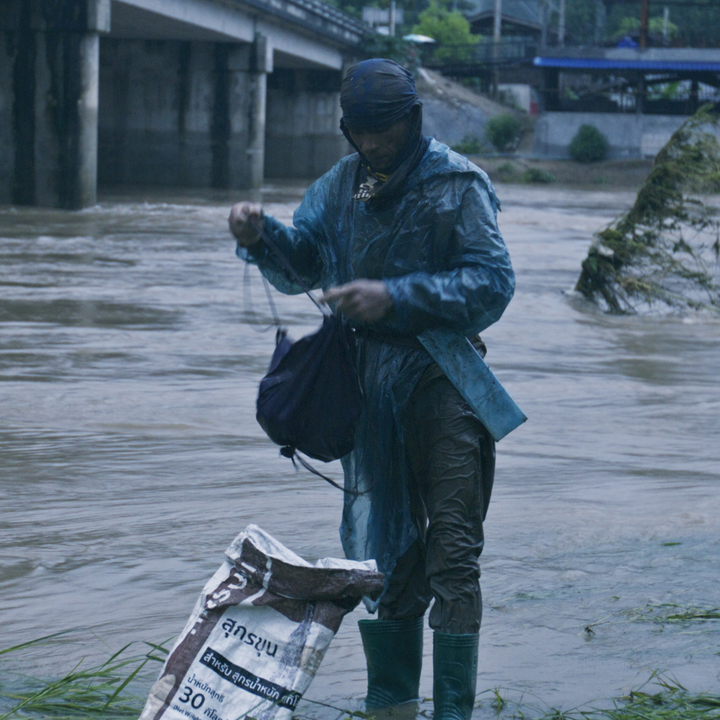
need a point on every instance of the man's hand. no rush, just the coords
(245, 218)
(363, 300)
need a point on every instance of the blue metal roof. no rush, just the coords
(606, 64)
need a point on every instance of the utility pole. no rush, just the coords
(561, 24)
(599, 21)
(644, 18)
(497, 29)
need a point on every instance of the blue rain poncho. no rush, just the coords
(438, 249)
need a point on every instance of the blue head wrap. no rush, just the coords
(376, 93)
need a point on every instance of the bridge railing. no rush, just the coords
(483, 53)
(317, 16)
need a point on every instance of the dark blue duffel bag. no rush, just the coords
(310, 399)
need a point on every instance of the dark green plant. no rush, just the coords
(469, 145)
(629, 25)
(588, 145)
(503, 131)
(537, 176)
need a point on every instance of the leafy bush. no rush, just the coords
(506, 172)
(503, 131)
(537, 175)
(588, 145)
(469, 145)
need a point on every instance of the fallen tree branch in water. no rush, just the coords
(666, 248)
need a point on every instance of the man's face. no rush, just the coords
(382, 147)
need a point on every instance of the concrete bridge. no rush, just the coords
(173, 93)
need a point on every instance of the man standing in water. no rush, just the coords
(402, 236)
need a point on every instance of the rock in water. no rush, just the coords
(665, 251)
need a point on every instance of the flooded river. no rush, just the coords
(130, 456)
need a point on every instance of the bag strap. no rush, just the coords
(248, 303)
(288, 451)
(293, 454)
(280, 255)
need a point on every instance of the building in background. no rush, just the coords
(636, 97)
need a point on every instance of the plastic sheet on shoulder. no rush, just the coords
(258, 633)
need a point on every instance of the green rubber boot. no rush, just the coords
(393, 649)
(455, 660)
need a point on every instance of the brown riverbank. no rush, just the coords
(607, 175)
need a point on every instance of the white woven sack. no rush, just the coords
(258, 633)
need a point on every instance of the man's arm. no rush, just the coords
(299, 246)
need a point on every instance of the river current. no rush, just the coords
(130, 355)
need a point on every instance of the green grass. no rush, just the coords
(103, 691)
(671, 701)
(84, 692)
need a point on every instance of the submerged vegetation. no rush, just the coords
(671, 702)
(665, 613)
(666, 248)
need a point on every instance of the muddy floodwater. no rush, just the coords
(130, 456)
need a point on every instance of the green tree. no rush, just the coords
(698, 25)
(446, 27)
(655, 25)
(581, 19)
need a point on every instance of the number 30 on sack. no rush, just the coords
(196, 701)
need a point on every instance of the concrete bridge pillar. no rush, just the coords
(260, 65)
(49, 89)
(81, 182)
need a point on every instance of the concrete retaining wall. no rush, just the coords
(630, 135)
